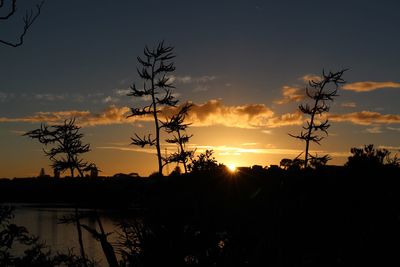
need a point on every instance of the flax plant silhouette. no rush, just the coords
(67, 146)
(155, 68)
(175, 125)
(321, 92)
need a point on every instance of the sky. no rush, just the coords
(244, 65)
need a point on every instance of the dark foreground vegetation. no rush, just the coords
(328, 216)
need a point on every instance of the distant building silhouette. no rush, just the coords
(56, 172)
(42, 173)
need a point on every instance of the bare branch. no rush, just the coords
(28, 20)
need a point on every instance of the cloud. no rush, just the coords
(122, 92)
(214, 112)
(200, 88)
(366, 118)
(368, 86)
(189, 79)
(349, 105)
(393, 128)
(49, 97)
(290, 94)
(110, 99)
(204, 79)
(230, 150)
(396, 148)
(210, 113)
(5, 96)
(374, 130)
(111, 115)
(249, 144)
(310, 77)
(287, 119)
(129, 149)
(18, 132)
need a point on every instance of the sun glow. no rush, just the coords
(232, 167)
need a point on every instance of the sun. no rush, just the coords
(232, 167)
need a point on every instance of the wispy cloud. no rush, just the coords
(392, 148)
(366, 118)
(290, 94)
(18, 132)
(310, 77)
(200, 88)
(49, 97)
(129, 149)
(110, 99)
(249, 144)
(122, 92)
(6, 96)
(368, 86)
(349, 105)
(374, 130)
(111, 115)
(190, 79)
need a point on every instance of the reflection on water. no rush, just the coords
(44, 222)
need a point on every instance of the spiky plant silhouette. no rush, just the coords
(320, 92)
(155, 68)
(176, 125)
(67, 146)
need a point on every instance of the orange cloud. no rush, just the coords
(366, 118)
(290, 94)
(368, 86)
(286, 119)
(214, 112)
(310, 77)
(111, 115)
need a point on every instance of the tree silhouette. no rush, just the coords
(155, 67)
(177, 127)
(28, 20)
(291, 164)
(66, 142)
(321, 92)
(370, 157)
(205, 162)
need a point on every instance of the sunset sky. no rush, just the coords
(243, 63)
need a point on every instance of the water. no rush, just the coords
(43, 222)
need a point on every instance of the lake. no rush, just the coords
(43, 221)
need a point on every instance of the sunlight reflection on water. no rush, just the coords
(44, 222)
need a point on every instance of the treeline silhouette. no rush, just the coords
(276, 216)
